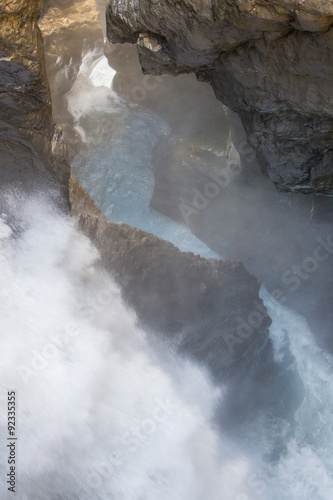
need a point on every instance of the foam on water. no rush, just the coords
(91, 91)
(305, 466)
(102, 74)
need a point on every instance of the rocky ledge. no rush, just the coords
(210, 308)
(271, 62)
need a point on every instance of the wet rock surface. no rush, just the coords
(32, 148)
(269, 62)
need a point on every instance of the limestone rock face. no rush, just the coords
(32, 148)
(271, 62)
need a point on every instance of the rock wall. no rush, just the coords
(271, 62)
(273, 234)
(210, 308)
(32, 148)
(70, 29)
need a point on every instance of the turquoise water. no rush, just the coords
(290, 456)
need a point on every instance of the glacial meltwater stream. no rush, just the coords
(122, 182)
(101, 413)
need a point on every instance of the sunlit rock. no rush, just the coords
(31, 147)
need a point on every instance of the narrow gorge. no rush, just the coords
(166, 246)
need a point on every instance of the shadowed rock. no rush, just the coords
(271, 62)
(211, 308)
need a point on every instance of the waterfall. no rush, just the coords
(292, 450)
(98, 415)
(103, 412)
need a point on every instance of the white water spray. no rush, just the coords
(97, 416)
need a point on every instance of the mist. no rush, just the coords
(99, 413)
(181, 162)
(111, 406)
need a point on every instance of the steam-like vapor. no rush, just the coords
(97, 415)
(100, 415)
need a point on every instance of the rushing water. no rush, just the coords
(98, 417)
(101, 413)
(304, 468)
(116, 169)
(300, 462)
